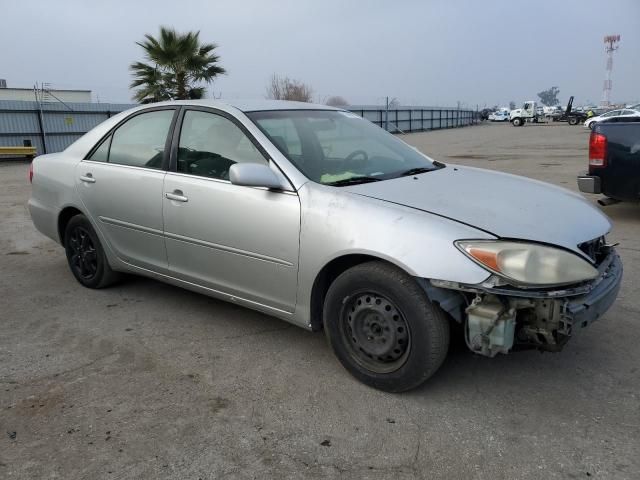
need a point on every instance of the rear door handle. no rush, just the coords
(176, 195)
(88, 178)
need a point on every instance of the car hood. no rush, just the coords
(507, 206)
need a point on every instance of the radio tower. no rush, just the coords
(611, 45)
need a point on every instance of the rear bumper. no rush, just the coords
(589, 184)
(583, 310)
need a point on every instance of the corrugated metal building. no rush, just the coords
(28, 95)
(53, 128)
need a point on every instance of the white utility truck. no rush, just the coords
(528, 112)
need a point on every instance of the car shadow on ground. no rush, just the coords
(462, 371)
(623, 211)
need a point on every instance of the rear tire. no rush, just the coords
(383, 328)
(85, 254)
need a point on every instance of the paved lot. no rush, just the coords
(148, 381)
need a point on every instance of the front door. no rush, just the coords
(241, 241)
(121, 187)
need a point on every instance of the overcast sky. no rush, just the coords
(422, 52)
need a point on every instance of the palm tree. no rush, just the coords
(179, 63)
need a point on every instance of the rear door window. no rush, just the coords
(140, 141)
(101, 154)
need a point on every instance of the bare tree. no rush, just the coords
(285, 88)
(337, 101)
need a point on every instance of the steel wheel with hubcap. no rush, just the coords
(376, 331)
(383, 328)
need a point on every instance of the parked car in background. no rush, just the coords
(499, 116)
(614, 160)
(620, 112)
(485, 113)
(314, 215)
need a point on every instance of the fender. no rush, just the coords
(336, 223)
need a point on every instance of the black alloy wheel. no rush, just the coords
(85, 254)
(84, 259)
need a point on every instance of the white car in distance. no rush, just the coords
(620, 112)
(501, 115)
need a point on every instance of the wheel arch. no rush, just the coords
(64, 216)
(326, 276)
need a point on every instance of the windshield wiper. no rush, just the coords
(353, 181)
(415, 171)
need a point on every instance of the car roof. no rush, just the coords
(250, 105)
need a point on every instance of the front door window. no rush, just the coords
(211, 143)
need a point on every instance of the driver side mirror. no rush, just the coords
(254, 175)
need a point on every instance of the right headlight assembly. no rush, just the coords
(528, 263)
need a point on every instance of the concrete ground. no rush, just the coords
(145, 380)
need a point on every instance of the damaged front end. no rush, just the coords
(498, 317)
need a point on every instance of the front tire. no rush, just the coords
(85, 254)
(383, 328)
(517, 122)
(573, 121)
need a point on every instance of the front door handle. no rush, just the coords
(176, 195)
(88, 178)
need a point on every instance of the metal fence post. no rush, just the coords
(386, 115)
(43, 136)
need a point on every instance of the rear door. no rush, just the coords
(121, 186)
(236, 240)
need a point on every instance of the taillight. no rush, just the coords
(597, 150)
(31, 172)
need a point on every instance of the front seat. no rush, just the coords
(281, 144)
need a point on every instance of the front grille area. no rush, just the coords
(595, 249)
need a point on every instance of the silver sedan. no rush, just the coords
(316, 216)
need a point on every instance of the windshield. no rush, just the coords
(339, 148)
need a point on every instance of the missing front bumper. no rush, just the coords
(499, 319)
(583, 310)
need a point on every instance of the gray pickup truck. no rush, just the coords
(614, 161)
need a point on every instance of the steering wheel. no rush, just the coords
(352, 156)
